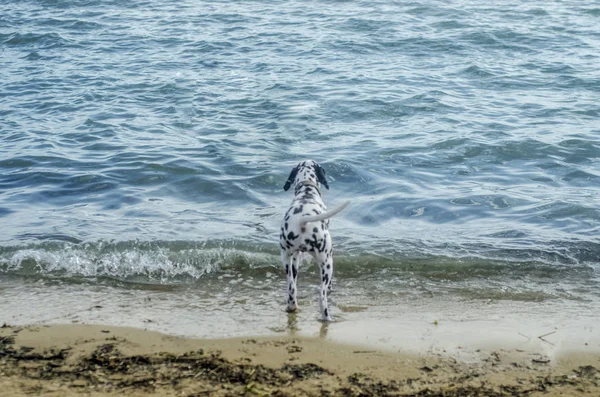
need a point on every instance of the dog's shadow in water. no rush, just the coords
(324, 329)
(292, 325)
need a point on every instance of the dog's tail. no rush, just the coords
(315, 218)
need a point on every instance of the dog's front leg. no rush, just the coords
(290, 264)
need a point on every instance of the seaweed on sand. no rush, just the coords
(199, 372)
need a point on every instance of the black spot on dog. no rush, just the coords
(315, 230)
(294, 272)
(298, 210)
(291, 236)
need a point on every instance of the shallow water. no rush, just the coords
(144, 146)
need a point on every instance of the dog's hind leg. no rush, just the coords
(290, 263)
(326, 267)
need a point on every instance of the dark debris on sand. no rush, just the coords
(361, 385)
(198, 365)
(106, 368)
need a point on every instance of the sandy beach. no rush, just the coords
(95, 360)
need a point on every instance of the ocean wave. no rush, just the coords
(35, 40)
(153, 261)
(185, 261)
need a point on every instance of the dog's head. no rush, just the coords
(309, 171)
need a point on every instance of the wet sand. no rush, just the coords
(93, 360)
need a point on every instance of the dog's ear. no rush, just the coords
(290, 179)
(321, 176)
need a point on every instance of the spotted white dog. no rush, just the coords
(305, 228)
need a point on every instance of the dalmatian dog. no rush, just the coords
(305, 228)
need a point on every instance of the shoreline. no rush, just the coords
(97, 360)
(401, 323)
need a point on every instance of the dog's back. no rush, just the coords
(296, 233)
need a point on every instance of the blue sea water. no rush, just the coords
(144, 146)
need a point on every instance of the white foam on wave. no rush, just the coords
(158, 262)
